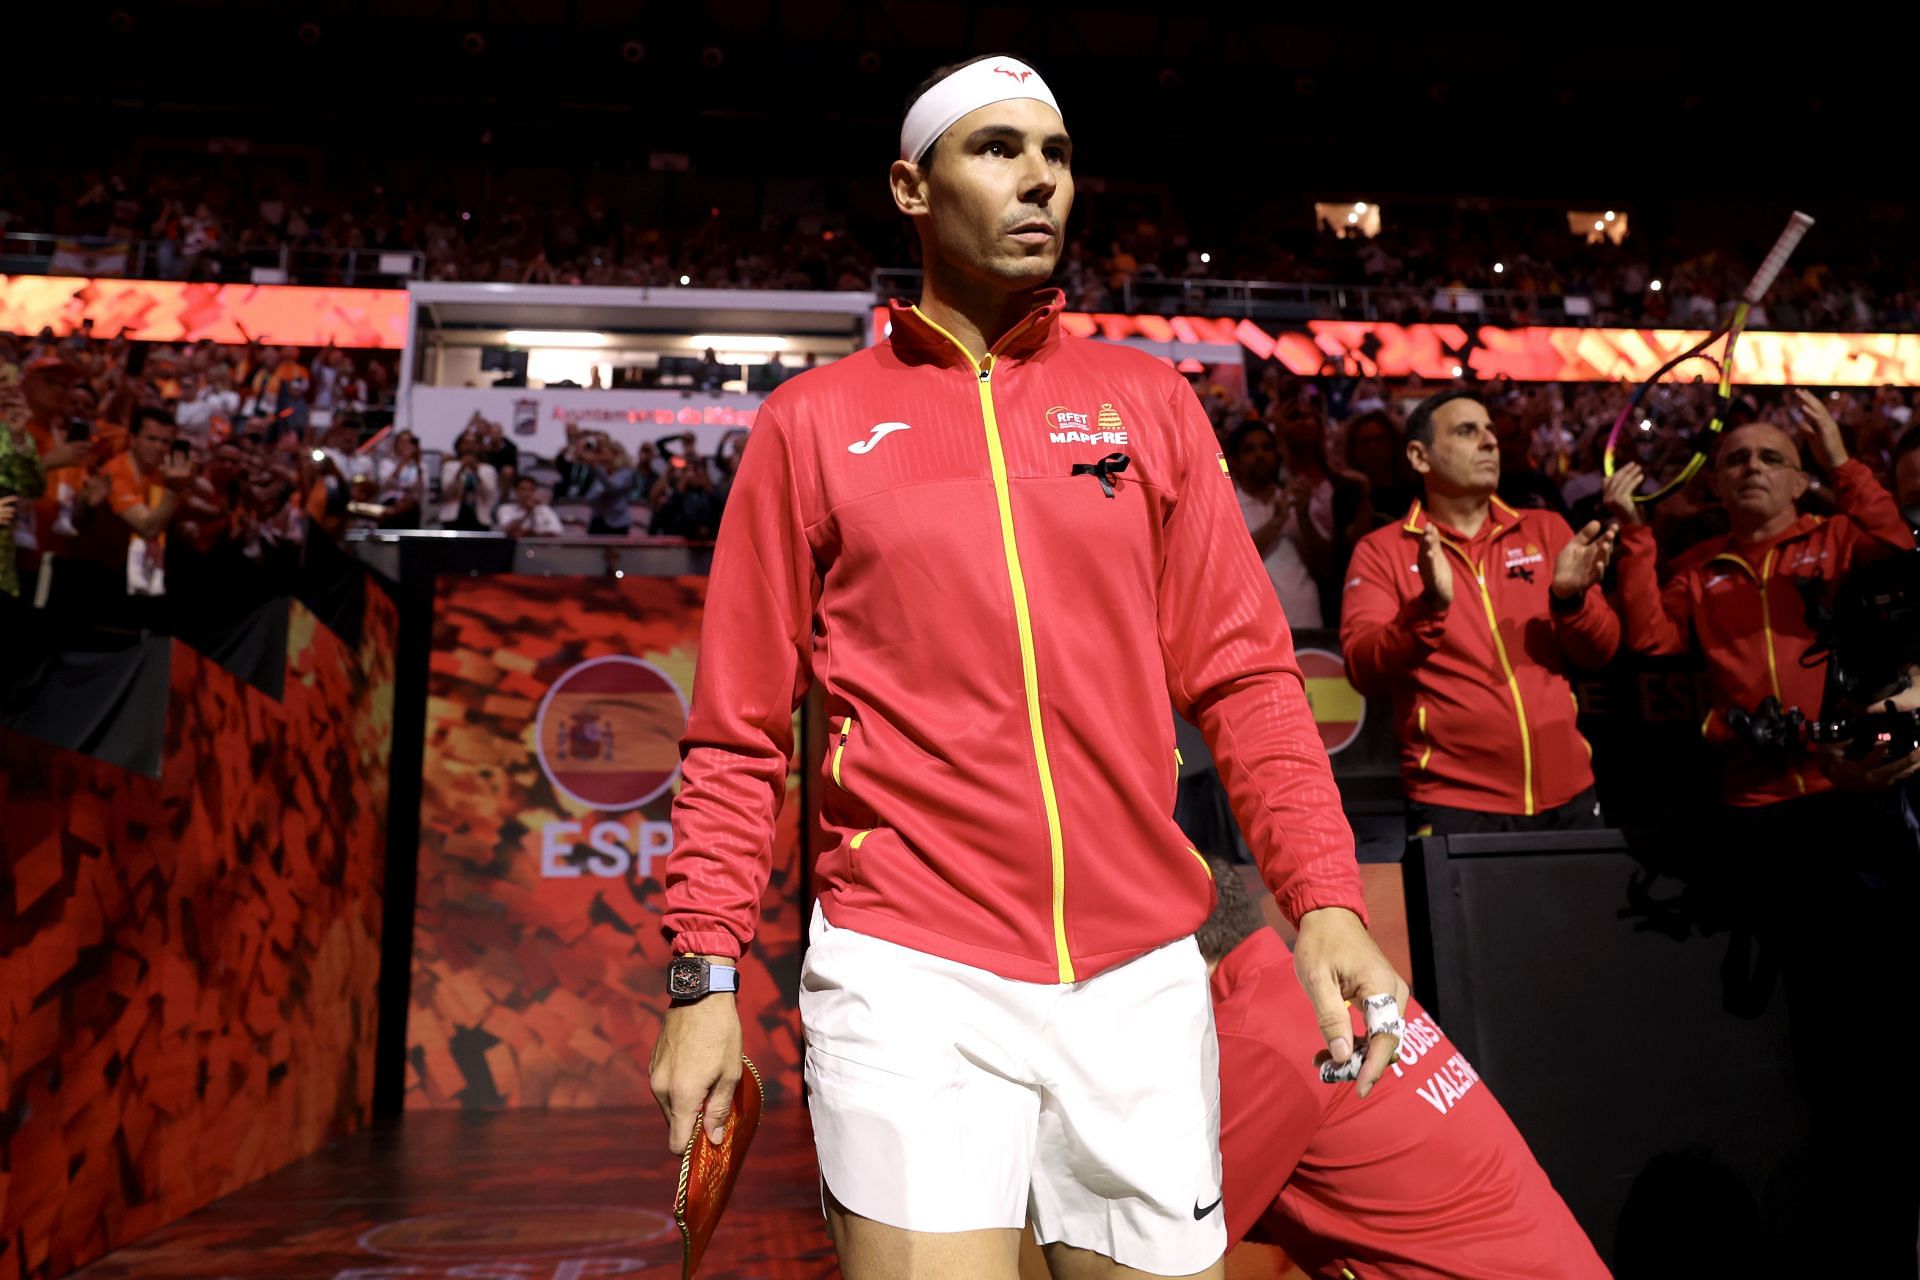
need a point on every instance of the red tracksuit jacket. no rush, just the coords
(998, 637)
(1480, 692)
(1740, 605)
(1424, 1177)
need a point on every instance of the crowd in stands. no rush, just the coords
(140, 483)
(135, 470)
(137, 476)
(1319, 463)
(202, 227)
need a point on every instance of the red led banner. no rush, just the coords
(175, 311)
(1532, 354)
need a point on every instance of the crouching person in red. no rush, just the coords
(1424, 1177)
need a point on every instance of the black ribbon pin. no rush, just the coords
(1105, 470)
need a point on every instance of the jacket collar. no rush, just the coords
(1751, 554)
(918, 340)
(1501, 518)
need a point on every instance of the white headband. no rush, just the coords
(978, 84)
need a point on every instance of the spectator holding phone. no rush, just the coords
(469, 487)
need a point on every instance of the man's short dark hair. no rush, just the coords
(1251, 427)
(1420, 421)
(146, 413)
(941, 73)
(1236, 913)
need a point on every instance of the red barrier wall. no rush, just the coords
(189, 964)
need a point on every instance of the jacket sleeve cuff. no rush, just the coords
(706, 942)
(1297, 901)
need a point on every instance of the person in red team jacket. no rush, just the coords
(1740, 600)
(1788, 847)
(1466, 613)
(999, 549)
(1424, 1177)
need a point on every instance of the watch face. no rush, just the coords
(686, 978)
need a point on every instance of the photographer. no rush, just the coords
(1741, 600)
(1818, 879)
(687, 505)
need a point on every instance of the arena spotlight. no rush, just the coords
(686, 280)
(633, 51)
(1458, 371)
(1499, 268)
(1205, 258)
(1169, 78)
(1359, 206)
(1654, 285)
(308, 34)
(473, 43)
(120, 22)
(713, 57)
(869, 60)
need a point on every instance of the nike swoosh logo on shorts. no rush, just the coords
(880, 433)
(1199, 1213)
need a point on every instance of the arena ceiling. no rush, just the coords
(1460, 97)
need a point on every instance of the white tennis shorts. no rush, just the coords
(947, 1098)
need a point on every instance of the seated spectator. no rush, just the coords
(400, 484)
(1485, 712)
(1287, 531)
(469, 487)
(527, 515)
(1367, 1186)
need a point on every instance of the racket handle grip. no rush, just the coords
(1777, 257)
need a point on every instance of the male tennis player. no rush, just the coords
(1426, 1176)
(1467, 613)
(1000, 549)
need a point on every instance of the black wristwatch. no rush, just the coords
(690, 978)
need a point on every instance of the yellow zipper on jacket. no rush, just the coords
(1513, 687)
(1766, 631)
(1506, 669)
(1023, 624)
(846, 729)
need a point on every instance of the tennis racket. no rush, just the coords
(1673, 419)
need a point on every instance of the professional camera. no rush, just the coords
(1869, 638)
